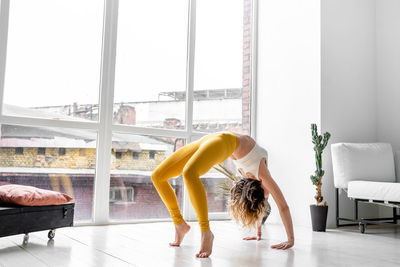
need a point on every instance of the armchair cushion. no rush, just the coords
(363, 162)
(374, 191)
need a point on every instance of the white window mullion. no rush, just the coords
(104, 140)
(189, 91)
(253, 53)
(40, 122)
(4, 13)
(190, 65)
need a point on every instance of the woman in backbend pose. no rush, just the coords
(247, 201)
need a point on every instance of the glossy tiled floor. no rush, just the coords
(147, 245)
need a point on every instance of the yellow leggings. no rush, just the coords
(193, 160)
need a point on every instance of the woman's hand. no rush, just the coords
(284, 245)
(258, 237)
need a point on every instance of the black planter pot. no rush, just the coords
(318, 217)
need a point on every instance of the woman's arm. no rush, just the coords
(269, 183)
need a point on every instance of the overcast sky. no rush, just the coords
(54, 49)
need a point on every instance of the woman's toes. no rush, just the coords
(202, 255)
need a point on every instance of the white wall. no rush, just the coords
(388, 66)
(357, 100)
(388, 78)
(348, 95)
(288, 97)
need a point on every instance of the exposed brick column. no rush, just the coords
(246, 84)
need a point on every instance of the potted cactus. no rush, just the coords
(319, 211)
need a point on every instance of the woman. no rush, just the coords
(247, 196)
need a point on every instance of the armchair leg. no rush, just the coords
(337, 207)
(355, 209)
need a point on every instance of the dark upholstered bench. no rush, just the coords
(25, 219)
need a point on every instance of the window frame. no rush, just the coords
(19, 151)
(41, 151)
(152, 154)
(62, 151)
(104, 126)
(120, 188)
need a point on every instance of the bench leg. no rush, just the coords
(26, 239)
(51, 234)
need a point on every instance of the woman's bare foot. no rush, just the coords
(207, 239)
(180, 232)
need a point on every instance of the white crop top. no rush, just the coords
(251, 161)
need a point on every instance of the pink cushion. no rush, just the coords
(31, 196)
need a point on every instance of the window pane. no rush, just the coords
(217, 201)
(150, 78)
(53, 59)
(222, 66)
(71, 173)
(132, 194)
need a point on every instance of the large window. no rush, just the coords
(95, 94)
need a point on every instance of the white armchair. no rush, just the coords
(367, 172)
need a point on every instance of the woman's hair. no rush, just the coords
(247, 203)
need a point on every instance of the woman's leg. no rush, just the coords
(169, 168)
(213, 150)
